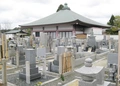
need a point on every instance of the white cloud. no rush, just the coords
(23, 11)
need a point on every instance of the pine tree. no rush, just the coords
(60, 7)
(111, 21)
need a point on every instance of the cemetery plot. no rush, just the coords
(14, 79)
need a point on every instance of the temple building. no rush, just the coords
(65, 23)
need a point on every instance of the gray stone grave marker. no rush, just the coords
(34, 74)
(41, 53)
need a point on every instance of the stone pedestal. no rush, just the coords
(34, 74)
(84, 83)
(4, 73)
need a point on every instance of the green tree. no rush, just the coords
(115, 25)
(111, 21)
(28, 31)
(60, 7)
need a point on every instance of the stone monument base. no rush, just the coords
(86, 83)
(33, 74)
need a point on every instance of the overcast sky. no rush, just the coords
(17, 12)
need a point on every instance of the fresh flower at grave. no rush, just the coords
(38, 84)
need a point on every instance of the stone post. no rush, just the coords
(27, 72)
(17, 58)
(54, 47)
(60, 64)
(109, 42)
(3, 44)
(44, 67)
(118, 57)
(4, 75)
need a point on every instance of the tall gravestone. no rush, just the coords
(41, 53)
(43, 39)
(58, 41)
(112, 64)
(37, 42)
(54, 66)
(116, 47)
(20, 57)
(91, 42)
(34, 74)
(73, 41)
(28, 43)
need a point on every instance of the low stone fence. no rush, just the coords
(54, 82)
(98, 56)
(93, 56)
(73, 83)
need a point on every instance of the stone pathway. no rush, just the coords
(101, 62)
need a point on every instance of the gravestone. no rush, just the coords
(12, 54)
(37, 42)
(116, 47)
(112, 65)
(54, 66)
(98, 45)
(66, 41)
(43, 39)
(60, 50)
(28, 43)
(112, 58)
(58, 41)
(41, 53)
(63, 41)
(54, 47)
(73, 41)
(34, 74)
(20, 57)
(91, 42)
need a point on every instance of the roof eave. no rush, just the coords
(70, 22)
